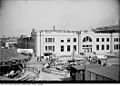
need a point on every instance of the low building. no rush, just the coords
(95, 72)
(9, 42)
(99, 42)
(103, 73)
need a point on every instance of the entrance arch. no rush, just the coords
(87, 39)
(87, 44)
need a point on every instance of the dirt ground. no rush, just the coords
(43, 76)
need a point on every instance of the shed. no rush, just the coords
(103, 73)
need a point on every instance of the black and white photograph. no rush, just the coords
(59, 41)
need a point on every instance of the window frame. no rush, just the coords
(97, 40)
(102, 47)
(116, 46)
(68, 39)
(46, 48)
(75, 47)
(53, 48)
(62, 48)
(116, 40)
(97, 47)
(74, 39)
(107, 39)
(49, 40)
(62, 41)
(68, 48)
(103, 40)
(107, 47)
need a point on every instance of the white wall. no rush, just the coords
(40, 41)
(58, 37)
(100, 43)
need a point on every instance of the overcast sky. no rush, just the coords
(20, 16)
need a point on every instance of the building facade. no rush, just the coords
(65, 42)
(99, 42)
(58, 42)
(25, 42)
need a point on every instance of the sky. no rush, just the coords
(21, 16)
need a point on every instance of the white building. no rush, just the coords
(58, 42)
(64, 42)
(99, 42)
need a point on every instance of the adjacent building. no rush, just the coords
(25, 42)
(9, 42)
(99, 42)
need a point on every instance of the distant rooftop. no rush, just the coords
(104, 29)
(107, 29)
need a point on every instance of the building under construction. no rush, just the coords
(64, 42)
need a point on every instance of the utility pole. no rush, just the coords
(53, 27)
(111, 44)
(78, 33)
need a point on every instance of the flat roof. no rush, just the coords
(64, 31)
(107, 29)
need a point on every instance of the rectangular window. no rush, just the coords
(46, 48)
(49, 39)
(68, 40)
(116, 46)
(62, 48)
(107, 47)
(75, 47)
(45, 39)
(84, 46)
(107, 39)
(97, 39)
(53, 48)
(74, 39)
(89, 45)
(116, 39)
(50, 48)
(102, 47)
(102, 39)
(62, 40)
(97, 47)
(68, 47)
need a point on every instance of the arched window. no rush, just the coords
(87, 38)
